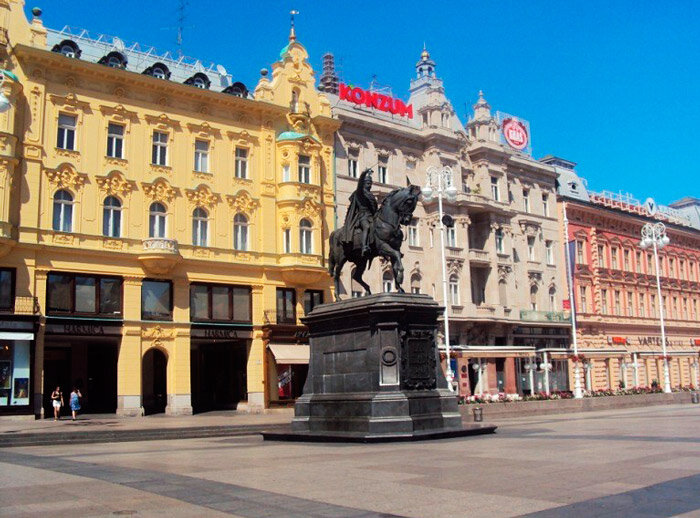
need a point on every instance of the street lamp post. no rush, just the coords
(654, 235)
(440, 178)
(578, 393)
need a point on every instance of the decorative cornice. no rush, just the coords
(118, 111)
(65, 177)
(160, 190)
(115, 184)
(162, 121)
(202, 196)
(69, 101)
(242, 201)
(204, 129)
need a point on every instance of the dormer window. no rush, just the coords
(238, 89)
(199, 80)
(158, 70)
(114, 60)
(68, 48)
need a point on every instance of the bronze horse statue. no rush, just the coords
(384, 239)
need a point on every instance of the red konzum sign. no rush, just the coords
(375, 100)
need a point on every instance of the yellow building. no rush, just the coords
(162, 229)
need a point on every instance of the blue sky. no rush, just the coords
(613, 86)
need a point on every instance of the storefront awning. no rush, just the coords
(290, 353)
(7, 335)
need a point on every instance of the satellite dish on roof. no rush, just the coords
(118, 44)
(221, 70)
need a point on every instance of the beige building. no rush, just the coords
(504, 255)
(160, 224)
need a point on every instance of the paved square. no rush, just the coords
(636, 462)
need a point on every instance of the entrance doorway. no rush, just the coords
(218, 375)
(154, 380)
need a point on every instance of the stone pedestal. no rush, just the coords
(374, 374)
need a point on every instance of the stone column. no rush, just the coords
(179, 382)
(256, 368)
(511, 386)
(129, 390)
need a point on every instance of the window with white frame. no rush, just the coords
(413, 236)
(613, 258)
(545, 205)
(526, 200)
(531, 248)
(200, 224)
(604, 301)
(616, 296)
(583, 300)
(241, 163)
(240, 232)
(601, 256)
(630, 304)
(66, 131)
(638, 262)
(63, 211)
(454, 290)
(286, 173)
(495, 193)
(115, 140)
(287, 240)
(387, 282)
(305, 237)
(201, 156)
(499, 240)
(580, 257)
(549, 252)
(111, 217)
(159, 154)
(381, 170)
(157, 219)
(304, 169)
(626, 260)
(640, 304)
(652, 305)
(352, 164)
(451, 236)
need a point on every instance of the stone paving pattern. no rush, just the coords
(634, 462)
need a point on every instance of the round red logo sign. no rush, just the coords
(515, 133)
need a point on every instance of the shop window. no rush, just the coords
(200, 226)
(286, 306)
(216, 302)
(68, 293)
(63, 211)
(115, 140)
(7, 289)
(65, 138)
(156, 300)
(312, 298)
(14, 373)
(111, 217)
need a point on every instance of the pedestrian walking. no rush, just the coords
(75, 401)
(57, 402)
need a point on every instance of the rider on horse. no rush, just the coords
(363, 206)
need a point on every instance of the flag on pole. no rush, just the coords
(571, 251)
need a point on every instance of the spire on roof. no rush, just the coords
(425, 66)
(292, 33)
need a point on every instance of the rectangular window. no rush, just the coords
(241, 163)
(626, 259)
(352, 166)
(685, 308)
(312, 298)
(638, 262)
(84, 294)
(630, 304)
(650, 267)
(681, 267)
(495, 194)
(640, 305)
(451, 237)
(159, 155)
(545, 205)
(526, 200)
(613, 258)
(115, 140)
(695, 309)
(201, 156)
(652, 305)
(617, 303)
(381, 171)
(7, 289)
(219, 302)
(286, 306)
(304, 169)
(413, 236)
(499, 240)
(550, 252)
(580, 257)
(287, 240)
(531, 248)
(601, 256)
(66, 132)
(671, 268)
(604, 301)
(156, 300)
(583, 300)
(675, 307)
(286, 174)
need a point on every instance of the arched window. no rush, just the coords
(199, 80)
(552, 299)
(199, 227)
(112, 217)
(454, 289)
(158, 70)
(114, 60)
(240, 232)
(238, 89)
(388, 282)
(63, 211)
(157, 220)
(68, 48)
(533, 298)
(305, 237)
(415, 283)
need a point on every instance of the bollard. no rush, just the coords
(478, 414)
(695, 397)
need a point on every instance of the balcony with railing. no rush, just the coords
(479, 256)
(531, 315)
(159, 254)
(22, 306)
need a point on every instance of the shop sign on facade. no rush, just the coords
(515, 132)
(656, 340)
(376, 100)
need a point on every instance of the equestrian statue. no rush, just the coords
(371, 230)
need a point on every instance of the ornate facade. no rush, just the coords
(159, 222)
